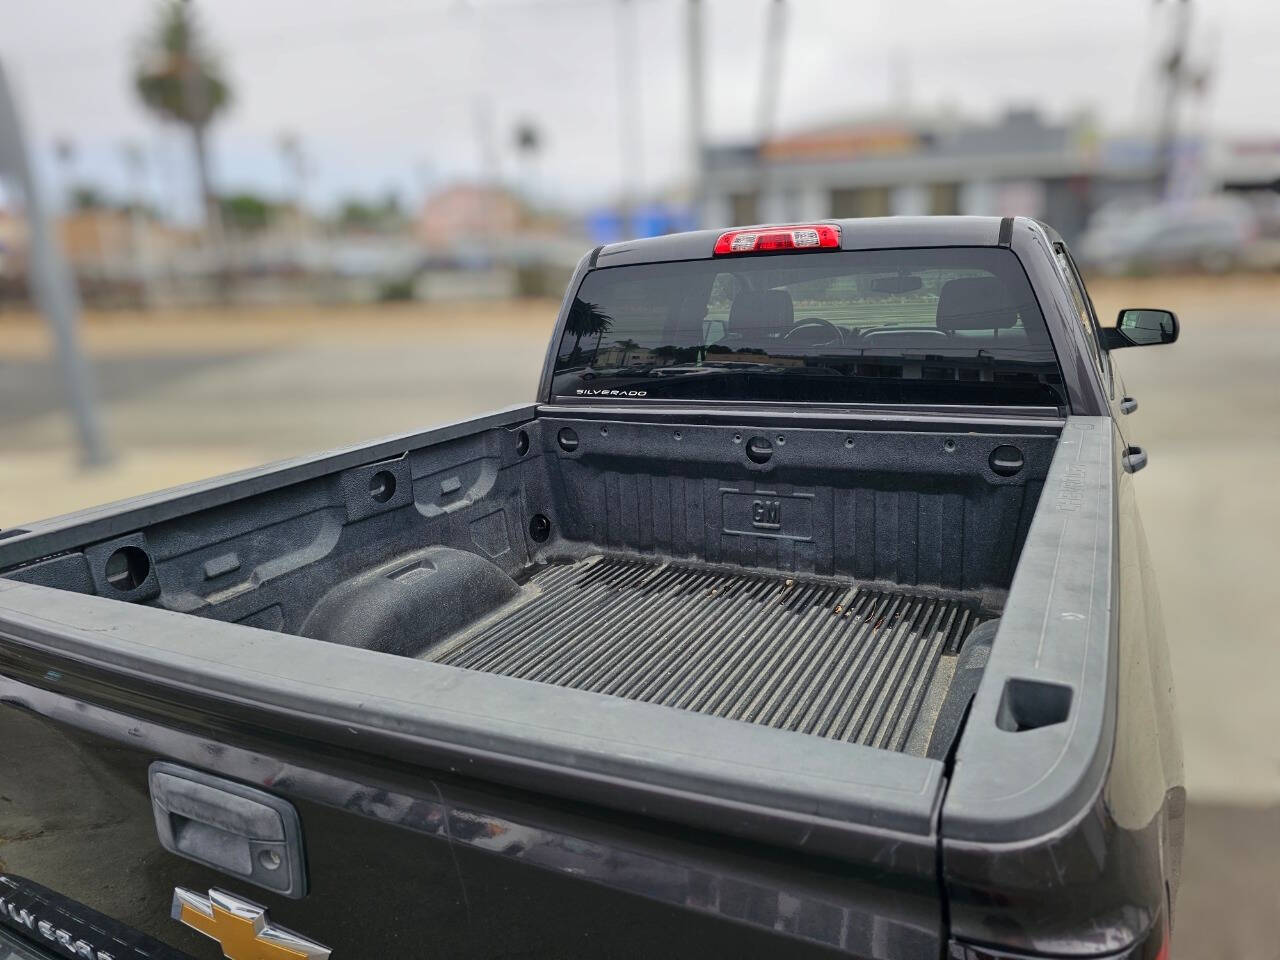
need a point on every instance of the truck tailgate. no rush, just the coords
(400, 864)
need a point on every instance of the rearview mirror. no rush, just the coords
(1142, 328)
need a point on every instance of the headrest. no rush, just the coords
(684, 324)
(975, 303)
(757, 313)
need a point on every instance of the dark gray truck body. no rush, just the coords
(584, 678)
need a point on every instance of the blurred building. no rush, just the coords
(1248, 164)
(466, 214)
(884, 166)
(483, 241)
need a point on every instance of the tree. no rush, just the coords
(180, 80)
(359, 214)
(627, 346)
(585, 319)
(246, 211)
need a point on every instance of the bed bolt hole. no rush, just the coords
(781, 439)
(382, 486)
(604, 431)
(949, 446)
(522, 443)
(539, 528)
(759, 450)
(269, 859)
(737, 438)
(127, 568)
(568, 439)
(678, 435)
(848, 441)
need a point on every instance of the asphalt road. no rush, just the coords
(186, 401)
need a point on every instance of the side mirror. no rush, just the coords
(1141, 328)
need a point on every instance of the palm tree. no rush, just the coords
(627, 346)
(585, 319)
(180, 80)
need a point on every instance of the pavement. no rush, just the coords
(186, 397)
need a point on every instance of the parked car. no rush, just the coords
(1215, 234)
(847, 645)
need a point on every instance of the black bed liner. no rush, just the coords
(828, 658)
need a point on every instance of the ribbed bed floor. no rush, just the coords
(829, 659)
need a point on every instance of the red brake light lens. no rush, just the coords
(814, 236)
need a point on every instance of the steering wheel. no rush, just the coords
(815, 332)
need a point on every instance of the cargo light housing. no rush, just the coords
(803, 236)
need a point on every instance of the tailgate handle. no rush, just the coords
(1128, 404)
(242, 831)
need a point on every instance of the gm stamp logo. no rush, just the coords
(766, 514)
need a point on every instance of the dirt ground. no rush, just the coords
(186, 396)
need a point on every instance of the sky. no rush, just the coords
(390, 95)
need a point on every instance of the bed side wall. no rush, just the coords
(927, 509)
(265, 560)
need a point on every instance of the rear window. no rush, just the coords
(931, 326)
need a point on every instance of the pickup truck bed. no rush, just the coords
(827, 590)
(766, 630)
(826, 657)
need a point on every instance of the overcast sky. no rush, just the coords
(390, 94)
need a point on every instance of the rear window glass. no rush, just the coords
(949, 325)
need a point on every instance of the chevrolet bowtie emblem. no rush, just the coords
(241, 927)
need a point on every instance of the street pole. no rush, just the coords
(775, 29)
(628, 114)
(54, 287)
(195, 102)
(135, 166)
(295, 169)
(696, 80)
(1175, 75)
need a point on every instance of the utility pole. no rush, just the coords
(139, 241)
(696, 81)
(1177, 76)
(195, 99)
(54, 287)
(295, 169)
(775, 29)
(528, 144)
(64, 148)
(628, 114)
(487, 150)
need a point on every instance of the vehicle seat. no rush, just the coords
(684, 326)
(975, 303)
(759, 317)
